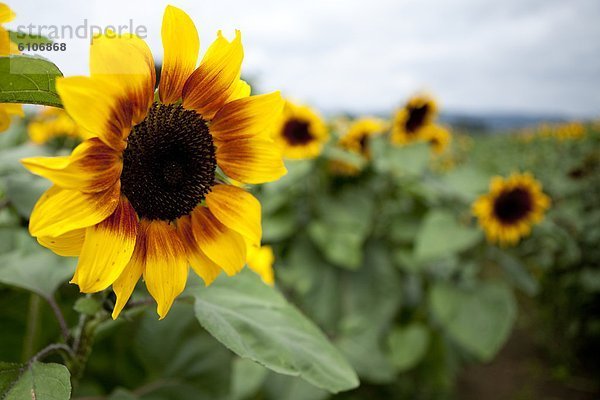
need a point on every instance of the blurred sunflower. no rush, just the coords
(53, 123)
(301, 132)
(357, 140)
(511, 207)
(147, 195)
(410, 121)
(438, 138)
(7, 47)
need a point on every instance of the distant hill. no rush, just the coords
(495, 122)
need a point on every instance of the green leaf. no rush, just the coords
(371, 298)
(24, 38)
(28, 80)
(24, 190)
(36, 269)
(246, 379)
(400, 161)
(478, 319)
(408, 345)
(282, 387)
(339, 246)
(35, 381)
(343, 223)
(256, 322)
(465, 182)
(441, 235)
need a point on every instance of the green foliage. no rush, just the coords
(479, 319)
(256, 322)
(34, 381)
(441, 235)
(408, 345)
(24, 38)
(28, 79)
(34, 268)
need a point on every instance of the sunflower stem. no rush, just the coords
(64, 328)
(82, 345)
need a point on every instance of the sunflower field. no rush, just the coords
(167, 233)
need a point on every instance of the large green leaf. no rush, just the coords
(34, 381)
(35, 268)
(479, 319)
(441, 235)
(256, 322)
(408, 345)
(29, 80)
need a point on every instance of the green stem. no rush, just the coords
(31, 332)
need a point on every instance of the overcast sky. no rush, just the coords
(526, 56)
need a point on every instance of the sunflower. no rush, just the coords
(7, 47)
(438, 138)
(53, 123)
(511, 207)
(147, 195)
(357, 140)
(301, 132)
(411, 120)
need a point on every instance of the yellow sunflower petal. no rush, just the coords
(60, 210)
(236, 209)
(181, 46)
(215, 80)
(6, 14)
(93, 167)
(67, 245)
(242, 89)
(166, 265)
(248, 117)
(200, 263)
(95, 105)
(107, 249)
(125, 283)
(260, 260)
(254, 160)
(224, 246)
(126, 60)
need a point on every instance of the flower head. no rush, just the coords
(357, 140)
(148, 193)
(511, 207)
(300, 132)
(410, 121)
(438, 138)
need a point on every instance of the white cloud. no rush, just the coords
(514, 55)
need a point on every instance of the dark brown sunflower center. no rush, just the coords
(169, 163)
(297, 132)
(416, 118)
(513, 205)
(364, 143)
